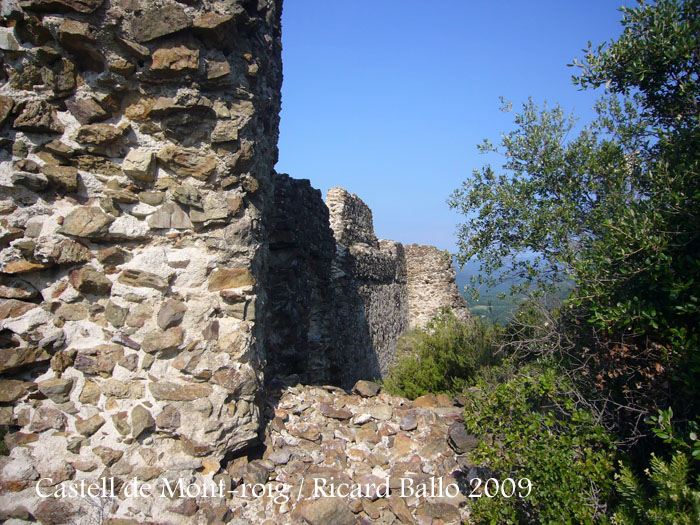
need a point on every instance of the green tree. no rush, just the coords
(614, 206)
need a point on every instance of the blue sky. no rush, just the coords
(389, 98)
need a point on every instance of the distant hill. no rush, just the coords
(489, 304)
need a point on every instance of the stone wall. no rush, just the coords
(301, 309)
(431, 285)
(335, 310)
(154, 271)
(371, 275)
(138, 145)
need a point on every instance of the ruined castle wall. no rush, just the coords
(431, 284)
(335, 310)
(138, 143)
(376, 272)
(153, 267)
(301, 313)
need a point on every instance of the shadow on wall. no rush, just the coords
(337, 296)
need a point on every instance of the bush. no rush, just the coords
(442, 358)
(539, 434)
(674, 500)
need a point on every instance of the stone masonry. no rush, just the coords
(431, 285)
(157, 278)
(138, 145)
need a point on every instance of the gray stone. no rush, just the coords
(109, 456)
(99, 360)
(70, 252)
(460, 440)
(134, 49)
(46, 418)
(71, 312)
(31, 181)
(26, 165)
(57, 390)
(167, 391)
(120, 421)
(114, 256)
(90, 281)
(139, 164)
(87, 221)
(130, 362)
(64, 177)
(170, 215)
(86, 110)
(74, 444)
(408, 422)
(217, 70)
(242, 382)
(188, 162)
(138, 278)
(381, 412)
(171, 313)
(58, 148)
(90, 394)
(209, 23)
(216, 207)
(115, 315)
(225, 131)
(366, 388)
(95, 164)
(152, 198)
(18, 358)
(179, 220)
(169, 418)
(187, 195)
(161, 21)
(329, 411)
(60, 361)
(38, 117)
(52, 510)
(99, 134)
(328, 511)
(166, 341)
(125, 340)
(280, 457)
(141, 420)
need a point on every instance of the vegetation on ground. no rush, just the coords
(541, 435)
(443, 357)
(585, 392)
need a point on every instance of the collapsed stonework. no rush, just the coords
(154, 271)
(432, 285)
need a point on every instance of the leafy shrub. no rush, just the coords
(673, 498)
(443, 357)
(674, 501)
(539, 434)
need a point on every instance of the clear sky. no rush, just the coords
(389, 98)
